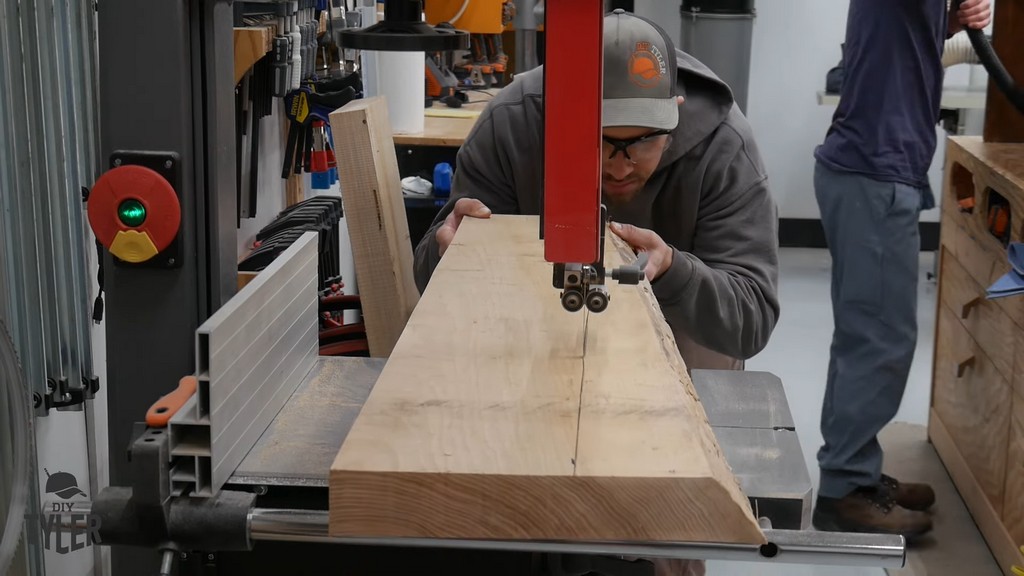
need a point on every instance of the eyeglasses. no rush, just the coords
(639, 149)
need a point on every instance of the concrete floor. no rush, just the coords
(798, 354)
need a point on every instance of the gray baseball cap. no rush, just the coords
(639, 74)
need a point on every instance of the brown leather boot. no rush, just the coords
(909, 495)
(869, 509)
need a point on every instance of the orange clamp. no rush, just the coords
(999, 220)
(163, 409)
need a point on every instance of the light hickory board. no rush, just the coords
(499, 415)
(371, 189)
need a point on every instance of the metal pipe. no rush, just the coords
(784, 546)
(167, 562)
(526, 35)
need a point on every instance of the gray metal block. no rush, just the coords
(250, 357)
(751, 419)
(770, 468)
(743, 399)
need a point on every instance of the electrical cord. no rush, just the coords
(18, 405)
(996, 71)
(462, 10)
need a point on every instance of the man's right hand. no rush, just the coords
(463, 207)
(976, 14)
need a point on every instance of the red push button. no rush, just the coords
(134, 212)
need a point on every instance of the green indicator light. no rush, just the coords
(132, 213)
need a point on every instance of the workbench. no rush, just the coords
(448, 127)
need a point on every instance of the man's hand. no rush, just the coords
(976, 14)
(463, 207)
(659, 254)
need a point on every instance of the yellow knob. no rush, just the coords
(133, 246)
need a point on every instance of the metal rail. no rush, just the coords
(784, 546)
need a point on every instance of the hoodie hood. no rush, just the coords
(708, 102)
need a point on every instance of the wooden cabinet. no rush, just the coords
(977, 409)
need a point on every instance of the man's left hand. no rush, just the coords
(659, 254)
(976, 14)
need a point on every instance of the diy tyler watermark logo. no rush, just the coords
(65, 529)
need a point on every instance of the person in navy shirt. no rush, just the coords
(871, 183)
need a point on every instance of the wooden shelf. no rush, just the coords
(251, 44)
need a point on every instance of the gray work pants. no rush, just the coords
(871, 228)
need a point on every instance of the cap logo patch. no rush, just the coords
(646, 65)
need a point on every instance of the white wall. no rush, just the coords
(795, 43)
(271, 192)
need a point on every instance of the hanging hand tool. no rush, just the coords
(262, 106)
(282, 53)
(295, 43)
(241, 121)
(302, 106)
(254, 101)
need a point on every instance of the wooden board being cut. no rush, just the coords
(499, 415)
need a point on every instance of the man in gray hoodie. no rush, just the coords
(681, 176)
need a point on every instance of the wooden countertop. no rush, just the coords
(444, 126)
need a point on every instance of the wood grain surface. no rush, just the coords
(449, 131)
(371, 189)
(987, 517)
(501, 415)
(988, 168)
(1013, 505)
(984, 319)
(973, 400)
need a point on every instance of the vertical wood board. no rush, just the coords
(371, 190)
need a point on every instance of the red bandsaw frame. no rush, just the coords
(573, 89)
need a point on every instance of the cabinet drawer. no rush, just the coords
(973, 400)
(984, 259)
(984, 319)
(1013, 505)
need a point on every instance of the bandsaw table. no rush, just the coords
(747, 410)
